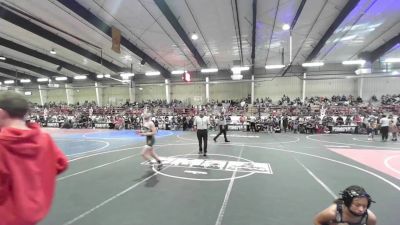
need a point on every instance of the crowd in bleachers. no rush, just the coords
(314, 115)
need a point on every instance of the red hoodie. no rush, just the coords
(29, 164)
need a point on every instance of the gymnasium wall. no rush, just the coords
(148, 92)
(276, 88)
(84, 94)
(382, 86)
(225, 91)
(331, 87)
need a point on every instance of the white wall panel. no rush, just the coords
(275, 89)
(229, 91)
(191, 93)
(149, 92)
(114, 95)
(328, 88)
(34, 98)
(380, 86)
(56, 95)
(84, 94)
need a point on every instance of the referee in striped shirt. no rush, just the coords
(201, 125)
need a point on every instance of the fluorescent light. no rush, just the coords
(194, 36)
(128, 57)
(42, 79)
(152, 73)
(8, 82)
(100, 76)
(28, 93)
(237, 77)
(175, 72)
(53, 52)
(363, 71)
(61, 78)
(211, 70)
(25, 81)
(140, 88)
(238, 69)
(269, 67)
(348, 38)
(312, 64)
(80, 77)
(392, 60)
(285, 27)
(2, 58)
(395, 72)
(127, 74)
(107, 76)
(354, 62)
(0, 83)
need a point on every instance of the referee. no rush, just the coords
(201, 125)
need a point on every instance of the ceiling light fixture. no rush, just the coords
(176, 72)
(194, 36)
(354, 62)
(42, 79)
(53, 52)
(211, 70)
(363, 71)
(126, 75)
(285, 26)
(8, 82)
(270, 67)
(2, 57)
(152, 73)
(392, 60)
(24, 81)
(312, 64)
(128, 57)
(61, 78)
(80, 77)
(239, 69)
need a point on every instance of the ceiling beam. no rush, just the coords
(99, 24)
(20, 48)
(298, 13)
(239, 33)
(253, 36)
(381, 50)
(164, 8)
(17, 74)
(32, 68)
(26, 24)
(351, 4)
(292, 25)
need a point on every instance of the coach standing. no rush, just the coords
(201, 125)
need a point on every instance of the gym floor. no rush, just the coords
(257, 178)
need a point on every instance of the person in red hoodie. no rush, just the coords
(29, 164)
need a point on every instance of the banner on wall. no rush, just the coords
(116, 40)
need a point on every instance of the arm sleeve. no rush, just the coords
(61, 161)
(5, 180)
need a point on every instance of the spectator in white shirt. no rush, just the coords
(384, 122)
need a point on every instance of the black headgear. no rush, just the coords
(355, 191)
